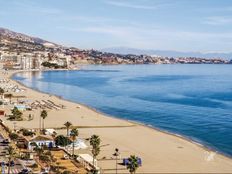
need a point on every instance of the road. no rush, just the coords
(3, 152)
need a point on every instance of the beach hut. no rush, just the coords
(21, 107)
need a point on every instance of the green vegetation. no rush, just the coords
(63, 141)
(16, 115)
(133, 164)
(95, 143)
(52, 65)
(13, 136)
(66, 172)
(43, 115)
(44, 158)
(25, 156)
(73, 134)
(26, 132)
(11, 156)
(34, 165)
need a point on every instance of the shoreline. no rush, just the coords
(134, 123)
(154, 129)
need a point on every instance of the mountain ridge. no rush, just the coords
(165, 53)
(12, 39)
(9, 34)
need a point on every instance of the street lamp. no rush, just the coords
(116, 154)
(14, 126)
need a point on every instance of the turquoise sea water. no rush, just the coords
(191, 100)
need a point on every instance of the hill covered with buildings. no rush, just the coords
(20, 51)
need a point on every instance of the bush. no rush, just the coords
(61, 140)
(44, 158)
(16, 115)
(34, 165)
(21, 146)
(25, 156)
(52, 65)
(13, 136)
(27, 132)
(48, 153)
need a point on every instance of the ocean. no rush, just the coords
(194, 101)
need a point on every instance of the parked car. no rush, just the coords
(6, 141)
(11, 163)
(127, 162)
(25, 171)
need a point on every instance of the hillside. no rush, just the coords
(166, 53)
(14, 45)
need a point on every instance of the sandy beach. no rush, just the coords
(160, 152)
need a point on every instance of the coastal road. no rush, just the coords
(3, 159)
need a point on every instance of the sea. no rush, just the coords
(193, 101)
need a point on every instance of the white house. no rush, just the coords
(41, 140)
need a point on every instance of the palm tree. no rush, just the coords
(68, 125)
(133, 164)
(43, 115)
(116, 154)
(11, 156)
(95, 143)
(73, 134)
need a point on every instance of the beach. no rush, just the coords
(160, 152)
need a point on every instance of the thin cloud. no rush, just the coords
(218, 20)
(131, 5)
(160, 38)
(31, 7)
(114, 31)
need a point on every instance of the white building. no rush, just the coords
(41, 140)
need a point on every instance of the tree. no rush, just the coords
(16, 114)
(11, 156)
(95, 143)
(61, 140)
(73, 134)
(43, 115)
(133, 164)
(68, 125)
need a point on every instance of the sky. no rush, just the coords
(180, 25)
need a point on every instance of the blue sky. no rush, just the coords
(181, 25)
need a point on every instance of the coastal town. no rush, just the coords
(43, 133)
(21, 52)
